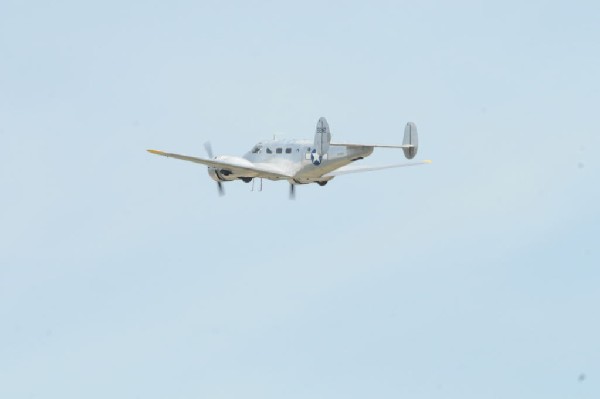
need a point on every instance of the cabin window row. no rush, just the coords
(278, 150)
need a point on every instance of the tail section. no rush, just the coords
(410, 139)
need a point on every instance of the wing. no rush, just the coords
(236, 165)
(373, 145)
(360, 168)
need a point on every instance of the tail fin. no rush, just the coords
(322, 136)
(322, 140)
(410, 138)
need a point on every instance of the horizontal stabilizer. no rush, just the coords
(373, 145)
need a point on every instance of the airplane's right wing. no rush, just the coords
(364, 168)
(234, 164)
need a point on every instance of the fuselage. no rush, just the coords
(295, 157)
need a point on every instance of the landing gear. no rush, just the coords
(246, 179)
(322, 183)
(259, 186)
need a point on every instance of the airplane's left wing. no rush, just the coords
(234, 164)
(363, 168)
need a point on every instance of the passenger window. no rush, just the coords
(269, 151)
(279, 150)
(288, 150)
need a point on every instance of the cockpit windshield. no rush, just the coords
(256, 149)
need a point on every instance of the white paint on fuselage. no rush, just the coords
(293, 157)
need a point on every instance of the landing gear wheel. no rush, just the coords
(322, 183)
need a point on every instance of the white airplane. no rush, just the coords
(298, 161)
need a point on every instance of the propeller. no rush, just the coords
(209, 151)
(292, 191)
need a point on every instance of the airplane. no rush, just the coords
(298, 161)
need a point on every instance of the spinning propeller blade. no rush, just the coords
(209, 152)
(292, 191)
(208, 149)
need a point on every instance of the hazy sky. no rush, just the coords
(125, 275)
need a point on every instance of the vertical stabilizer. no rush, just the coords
(322, 140)
(410, 138)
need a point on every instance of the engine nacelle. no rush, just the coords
(221, 174)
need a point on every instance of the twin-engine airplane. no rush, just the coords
(298, 161)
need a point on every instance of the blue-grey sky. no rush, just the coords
(124, 275)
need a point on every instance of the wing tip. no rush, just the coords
(428, 161)
(157, 152)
